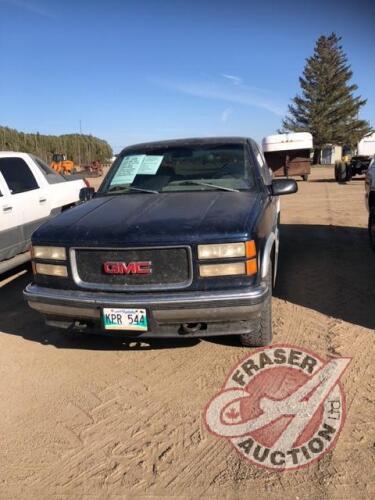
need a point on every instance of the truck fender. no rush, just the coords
(272, 243)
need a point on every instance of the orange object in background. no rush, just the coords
(61, 164)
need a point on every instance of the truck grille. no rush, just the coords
(171, 268)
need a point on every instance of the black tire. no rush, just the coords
(262, 334)
(340, 172)
(371, 227)
(305, 177)
(349, 173)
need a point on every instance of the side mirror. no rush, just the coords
(283, 186)
(86, 193)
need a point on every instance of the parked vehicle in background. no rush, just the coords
(357, 164)
(93, 169)
(30, 193)
(370, 200)
(61, 165)
(180, 240)
(289, 154)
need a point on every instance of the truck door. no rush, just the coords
(11, 238)
(25, 193)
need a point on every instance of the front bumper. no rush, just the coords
(218, 313)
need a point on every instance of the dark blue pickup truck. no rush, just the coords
(181, 240)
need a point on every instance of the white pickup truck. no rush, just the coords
(30, 193)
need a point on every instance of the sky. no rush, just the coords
(133, 71)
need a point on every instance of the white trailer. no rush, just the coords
(289, 154)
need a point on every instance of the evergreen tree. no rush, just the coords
(327, 107)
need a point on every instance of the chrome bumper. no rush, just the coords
(179, 307)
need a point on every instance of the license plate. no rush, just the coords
(125, 319)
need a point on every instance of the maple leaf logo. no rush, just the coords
(232, 414)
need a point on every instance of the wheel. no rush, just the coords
(305, 177)
(371, 227)
(262, 333)
(340, 171)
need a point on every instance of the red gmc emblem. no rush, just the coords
(131, 268)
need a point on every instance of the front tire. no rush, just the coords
(340, 172)
(262, 334)
(349, 173)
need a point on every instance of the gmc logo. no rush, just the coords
(131, 268)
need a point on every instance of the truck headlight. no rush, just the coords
(49, 253)
(245, 250)
(51, 270)
(229, 269)
(226, 250)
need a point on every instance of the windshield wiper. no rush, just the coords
(200, 183)
(132, 188)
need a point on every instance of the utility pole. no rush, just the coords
(79, 142)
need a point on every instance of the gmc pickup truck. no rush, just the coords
(181, 239)
(30, 193)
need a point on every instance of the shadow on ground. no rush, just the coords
(330, 269)
(325, 181)
(333, 181)
(16, 318)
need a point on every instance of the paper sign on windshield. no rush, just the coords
(128, 169)
(150, 164)
(134, 165)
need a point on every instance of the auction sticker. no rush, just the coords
(281, 407)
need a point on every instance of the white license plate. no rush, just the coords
(125, 319)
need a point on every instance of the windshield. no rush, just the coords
(184, 168)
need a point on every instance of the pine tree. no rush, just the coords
(327, 107)
(45, 145)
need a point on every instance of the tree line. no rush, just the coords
(81, 148)
(327, 106)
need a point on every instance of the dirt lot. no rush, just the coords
(108, 418)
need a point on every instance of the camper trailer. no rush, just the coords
(289, 154)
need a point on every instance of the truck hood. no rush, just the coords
(160, 219)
